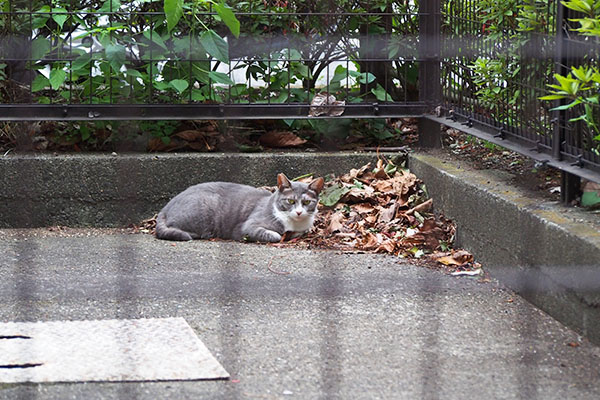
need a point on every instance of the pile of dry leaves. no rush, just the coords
(384, 209)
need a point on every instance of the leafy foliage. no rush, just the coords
(508, 27)
(132, 53)
(581, 86)
(217, 51)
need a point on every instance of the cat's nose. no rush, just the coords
(299, 212)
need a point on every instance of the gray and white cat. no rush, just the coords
(240, 212)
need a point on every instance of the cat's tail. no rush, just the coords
(168, 232)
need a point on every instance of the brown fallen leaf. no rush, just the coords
(278, 139)
(388, 246)
(157, 144)
(358, 195)
(387, 214)
(191, 135)
(355, 173)
(335, 223)
(458, 258)
(363, 208)
(369, 242)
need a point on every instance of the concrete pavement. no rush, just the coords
(295, 323)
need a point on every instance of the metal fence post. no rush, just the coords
(570, 183)
(430, 88)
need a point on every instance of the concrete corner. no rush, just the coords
(548, 253)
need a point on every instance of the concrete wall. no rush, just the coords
(548, 253)
(117, 190)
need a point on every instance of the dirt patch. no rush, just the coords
(525, 173)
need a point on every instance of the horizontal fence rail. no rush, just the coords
(483, 66)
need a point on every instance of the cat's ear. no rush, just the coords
(283, 182)
(317, 185)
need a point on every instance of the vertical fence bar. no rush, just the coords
(558, 116)
(430, 87)
(570, 184)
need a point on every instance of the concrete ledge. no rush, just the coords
(116, 190)
(548, 253)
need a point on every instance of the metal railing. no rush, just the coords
(494, 74)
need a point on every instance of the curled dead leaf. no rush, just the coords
(280, 139)
(458, 258)
(326, 104)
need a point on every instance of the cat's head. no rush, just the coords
(297, 200)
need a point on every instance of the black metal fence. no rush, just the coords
(108, 60)
(498, 60)
(481, 65)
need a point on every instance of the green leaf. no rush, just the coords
(582, 73)
(381, 94)
(382, 134)
(366, 78)
(215, 45)
(294, 55)
(553, 97)
(155, 37)
(198, 95)
(115, 54)
(302, 69)
(566, 106)
(39, 20)
(331, 195)
(228, 17)
(173, 12)
(244, 148)
(135, 73)
(110, 6)
(179, 84)
(338, 77)
(161, 85)
(57, 78)
(219, 77)
(39, 83)
(81, 62)
(59, 18)
(567, 83)
(39, 48)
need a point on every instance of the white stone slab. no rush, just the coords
(107, 350)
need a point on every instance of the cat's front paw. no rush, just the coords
(270, 236)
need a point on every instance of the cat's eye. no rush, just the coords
(291, 201)
(305, 202)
